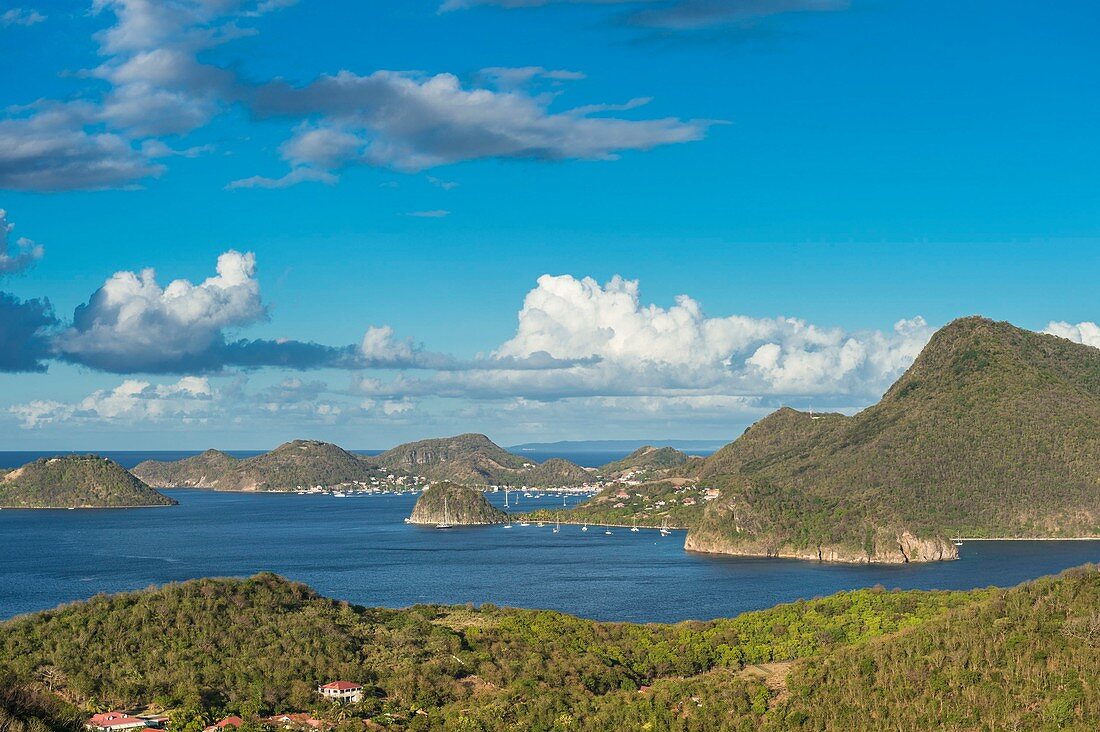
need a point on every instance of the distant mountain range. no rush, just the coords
(469, 459)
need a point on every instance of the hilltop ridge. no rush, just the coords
(469, 459)
(292, 464)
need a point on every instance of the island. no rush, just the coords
(269, 650)
(292, 466)
(76, 481)
(469, 459)
(449, 504)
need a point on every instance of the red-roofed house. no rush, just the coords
(227, 722)
(342, 691)
(114, 722)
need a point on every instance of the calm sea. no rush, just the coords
(359, 549)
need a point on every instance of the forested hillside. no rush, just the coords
(993, 431)
(261, 645)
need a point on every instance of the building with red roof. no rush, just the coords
(347, 692)
(233, 721)
(114, 722)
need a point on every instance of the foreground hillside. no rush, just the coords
(993, 431)
(76, 481)
(1023, 658)
(296, 464)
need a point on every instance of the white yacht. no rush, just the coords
(446, 523)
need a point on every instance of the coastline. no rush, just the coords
(1029, 538)
(84, 508)
(594, 523)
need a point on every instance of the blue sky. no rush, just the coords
(808, 173)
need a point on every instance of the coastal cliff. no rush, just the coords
(901, 548)
(457, 505)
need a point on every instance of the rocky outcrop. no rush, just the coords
(458, 505)
(900, 548)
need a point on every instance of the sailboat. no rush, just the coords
(665, 531)
(607, 531)
(506, 496)
(557, 526)
(585, 527)
(446, 523)
(634, 528)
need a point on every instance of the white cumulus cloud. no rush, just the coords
(1085, 332)
(132, 323)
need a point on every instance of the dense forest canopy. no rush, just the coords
(860, 659)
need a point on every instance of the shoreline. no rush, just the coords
(84, 508)
(593, 523)
(965, 539)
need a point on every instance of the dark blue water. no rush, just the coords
(359, 549)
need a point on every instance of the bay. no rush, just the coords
(359, 549)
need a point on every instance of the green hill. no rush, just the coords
(870, 659)
(200, 471)
(473, 459)
(76, 481)
(993, 431)
(1025, 659)
(650, 459)
(456, 504)
(295, 464)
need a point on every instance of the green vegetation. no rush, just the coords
(993, 431)
(1025, 659)
(28, 708)
(677, 502)
(258, 646)
(456, 504)
(650, 463)
(466, 459)
(473, 459)
(76, 481)
(301, 463)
